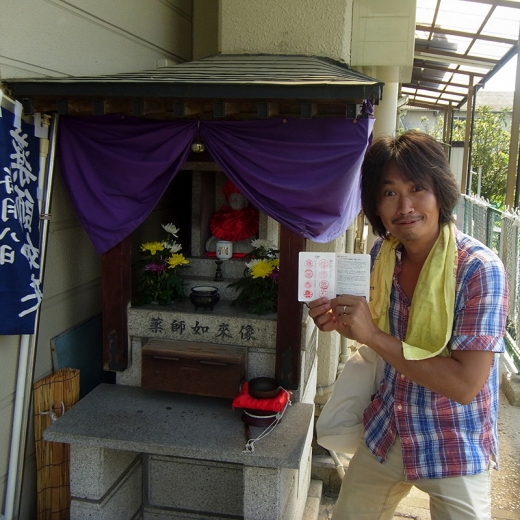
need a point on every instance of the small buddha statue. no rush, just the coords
(236, 221)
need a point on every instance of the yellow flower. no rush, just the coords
(176, 260)
(153, 247)
(262, 269)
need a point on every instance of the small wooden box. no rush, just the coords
(193, 368)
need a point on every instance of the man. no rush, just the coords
(437, 316)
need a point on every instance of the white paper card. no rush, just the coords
(330, 274)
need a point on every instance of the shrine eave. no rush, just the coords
(218, 77)
(197, 91)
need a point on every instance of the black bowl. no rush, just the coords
(204, 296)
(263, 388)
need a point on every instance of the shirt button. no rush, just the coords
(402, 376)
(399, 407)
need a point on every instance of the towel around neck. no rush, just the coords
(431, 315)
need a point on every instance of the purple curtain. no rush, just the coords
(303, 173)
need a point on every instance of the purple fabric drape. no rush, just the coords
(116, 168)
(303, 173)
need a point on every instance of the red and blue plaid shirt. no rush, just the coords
(440, 437)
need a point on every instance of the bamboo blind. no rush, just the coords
(53, 396)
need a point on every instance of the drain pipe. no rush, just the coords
(337, 463)
(25, 375)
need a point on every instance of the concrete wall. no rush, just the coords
(77, 37)
(205, 28)
(289, 27)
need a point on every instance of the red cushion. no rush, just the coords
(275, 404)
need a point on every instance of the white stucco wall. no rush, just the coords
(90, 37)
(60, 38)
(288, 27)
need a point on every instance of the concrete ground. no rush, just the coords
(505, 482)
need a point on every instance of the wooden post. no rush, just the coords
(512, 195)
(117, 290)
(467, 137)
(289, 322)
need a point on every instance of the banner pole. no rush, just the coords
(28, 343)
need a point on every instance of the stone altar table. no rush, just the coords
(148, 454)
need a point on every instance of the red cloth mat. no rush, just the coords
(275, 404)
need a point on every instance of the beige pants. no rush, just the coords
(372, 491)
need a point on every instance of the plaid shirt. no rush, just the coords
(440, 437)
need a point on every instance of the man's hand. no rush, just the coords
(353, 318)
(320, 311)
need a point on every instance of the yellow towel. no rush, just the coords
(431, 316)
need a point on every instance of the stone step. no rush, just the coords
(324, 469)
(313, 503)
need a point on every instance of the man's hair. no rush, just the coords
(420, 158)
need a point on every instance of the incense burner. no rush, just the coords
(204, 296)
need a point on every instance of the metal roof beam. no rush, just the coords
(419, 79)
(471, 36)
(497, 3)
(456, 59)
(427, 66)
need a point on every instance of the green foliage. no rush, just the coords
(490, 150)
(259, 285)
(161, 287)
(257, 295)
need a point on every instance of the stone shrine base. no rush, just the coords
(147, 454)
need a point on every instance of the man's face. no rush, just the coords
(408, 210)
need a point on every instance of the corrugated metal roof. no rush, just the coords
(245, 76)
(459, 45)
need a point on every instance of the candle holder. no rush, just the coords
(218, 272)
(224, 251)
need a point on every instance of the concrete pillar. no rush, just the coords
(386, 111)
(386, 114)
(328, 343)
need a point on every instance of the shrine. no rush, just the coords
(168, 418)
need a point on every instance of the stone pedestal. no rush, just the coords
(147, 454)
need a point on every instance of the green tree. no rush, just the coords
(490, 149)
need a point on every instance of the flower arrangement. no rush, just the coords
(259, 285)
(161, 280)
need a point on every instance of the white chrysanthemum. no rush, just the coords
(172, 247)
(171, 228)
(249, 265)
(262, 243)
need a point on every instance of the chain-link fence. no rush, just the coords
(499, 231)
